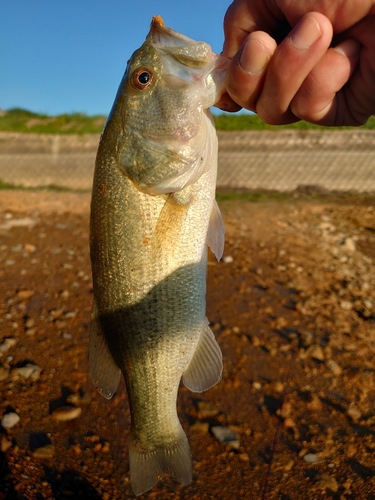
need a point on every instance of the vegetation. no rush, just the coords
(21, 120)
(253, 122)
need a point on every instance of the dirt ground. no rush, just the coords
(293, 307)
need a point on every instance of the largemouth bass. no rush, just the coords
(153, 214)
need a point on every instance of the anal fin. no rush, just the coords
(104, 372)
(206, 367)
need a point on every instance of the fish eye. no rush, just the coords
(142, 78)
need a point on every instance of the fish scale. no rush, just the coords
(153, 214)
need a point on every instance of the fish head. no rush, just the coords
(169, 84)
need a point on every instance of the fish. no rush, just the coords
(153, 216)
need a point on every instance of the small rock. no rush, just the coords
(7, 343)
(29, 323)
(285, 410)
(25, 294)
(202, 427)
(279, 386)
(334, 367)
(327, 482)
(64, 294)
(61, 324)
(29, 248)
(70, 314)
(315, 352)
(5, 444)
(47, 451)
(76, 448)
(349, 244)
(289, 466)
(56, 313)
(9, 420)
(354, 413)
(289, 423)
(67, 336)
(346, 305)
(257, 386)
(206, 410)
(227, 259)
(30, 371)
(311, 458)
(306, 338)
(226, 435)
(315, 404)
(66, 413)
(105, 448)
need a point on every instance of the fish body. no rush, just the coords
(153, 214)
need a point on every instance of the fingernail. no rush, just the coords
(253, 58)
(305, 33)
(348, 48)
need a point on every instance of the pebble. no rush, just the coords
(206, 410)
(346, 305)
(334, 367)
(315, 352)
(66, 413)
(30, 371)
(29, 323)
(30, 248)
(354, 413)
(5, 444)
(327, 482)
(47, 451)
(227, 259)
(285, 410)
(349, 244)
(24, 294)
(202, 427)
(7, 343)
(226, 435)
(9, 420)
(311, 458)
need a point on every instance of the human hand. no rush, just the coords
(302, 77)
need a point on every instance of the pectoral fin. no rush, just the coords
(104, 372)
(216, 231)
(205, 368)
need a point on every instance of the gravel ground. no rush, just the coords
(292, 304)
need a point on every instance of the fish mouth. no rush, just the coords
(162, 36)
(198, 57)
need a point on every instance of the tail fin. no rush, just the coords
(147, 467)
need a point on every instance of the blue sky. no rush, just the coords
(63, 56)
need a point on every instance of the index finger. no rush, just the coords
(244, 17)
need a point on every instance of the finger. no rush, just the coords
(317, 100)
(293, 60)
(247, 69)
(226, 103)
(244, 17)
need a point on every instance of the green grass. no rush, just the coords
(49, 187)
(253, 122)
(21, 120)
